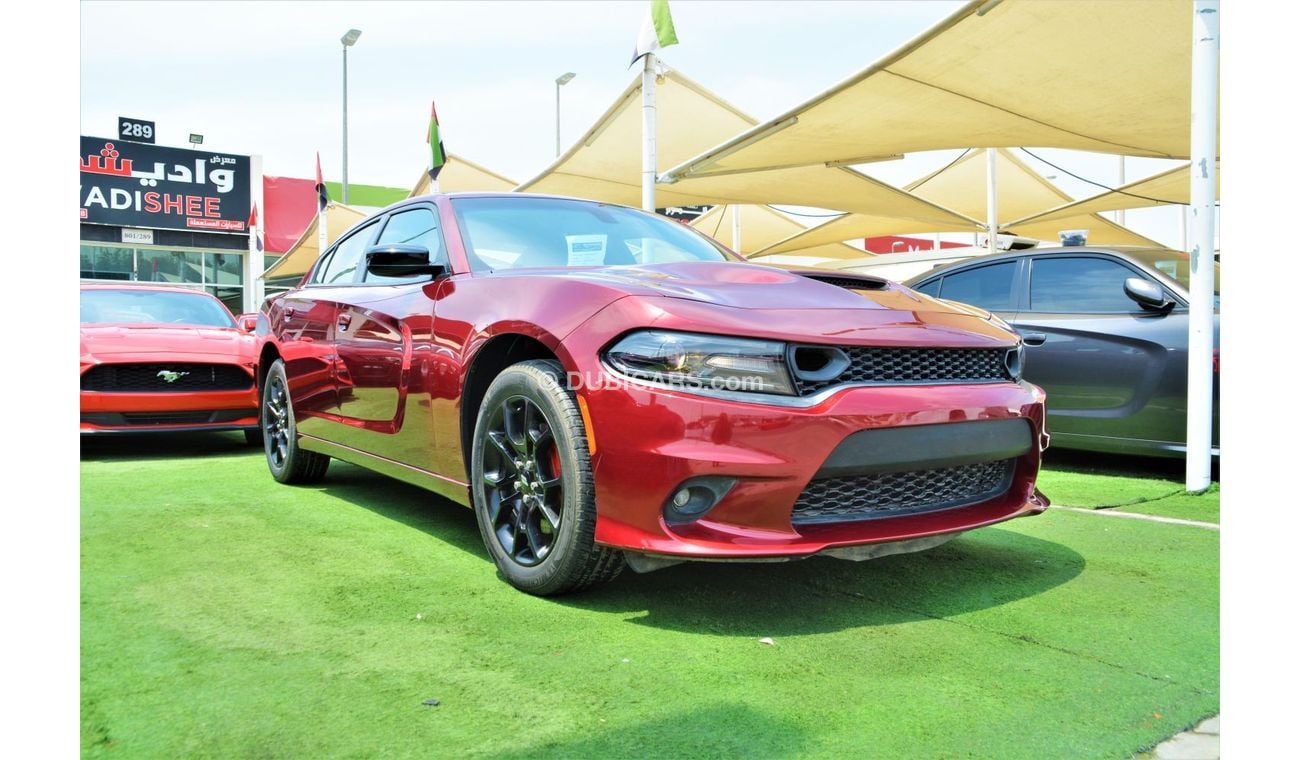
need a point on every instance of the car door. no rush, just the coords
(1110, 367)
(308, 318)
(382, 325)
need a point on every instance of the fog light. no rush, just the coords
(695, 497)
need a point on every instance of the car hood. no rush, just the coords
(103, 340)
(750, 286)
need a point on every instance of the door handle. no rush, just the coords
(344, 321)
(1034, 338)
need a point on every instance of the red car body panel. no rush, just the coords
(387, 391)
(180, 346)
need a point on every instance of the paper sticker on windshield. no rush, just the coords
(586, 250)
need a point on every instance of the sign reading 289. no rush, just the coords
(135, 130)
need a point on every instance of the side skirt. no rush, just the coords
(455, 490)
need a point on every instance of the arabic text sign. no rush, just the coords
(140, 185)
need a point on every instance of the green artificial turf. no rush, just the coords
(225, 615)
(1129, 484)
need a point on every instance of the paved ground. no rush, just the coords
(1201, 743)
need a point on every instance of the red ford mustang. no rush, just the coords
(606, 387)
(164, 359)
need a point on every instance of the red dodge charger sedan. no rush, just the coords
(605, 387)
(156, 358)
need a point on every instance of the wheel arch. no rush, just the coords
(489, 360)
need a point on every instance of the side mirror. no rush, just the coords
(1147, 294)
(247, 322)
(401, 261)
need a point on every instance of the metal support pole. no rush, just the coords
(1200, 331)
(1119, 214)
(648, 165)
(345, 124)
(991, 180)
(557, 118)
(735, 229)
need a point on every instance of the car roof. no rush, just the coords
(418, 199)
(1123, 251)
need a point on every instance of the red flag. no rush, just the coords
(252, 227)
(322, 196)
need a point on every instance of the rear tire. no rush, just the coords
(534, 495)
(288, 462)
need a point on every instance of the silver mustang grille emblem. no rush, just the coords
(171, 376)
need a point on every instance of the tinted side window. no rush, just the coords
(986, 287)
(1079, 284)
(341, 269)
(931, 288)
(415, 227)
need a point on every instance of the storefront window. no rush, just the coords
(221, 274)
(100, 262)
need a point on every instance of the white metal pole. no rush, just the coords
(735, 229)
(648, 165)
(255, 261)
(557, 118)
(345, 125)
(1119, 214)
(937, 246)
(322, 231)
(1200, 331)
(991, 180)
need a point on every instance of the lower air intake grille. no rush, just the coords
(864, 497)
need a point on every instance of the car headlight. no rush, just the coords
(712, 362)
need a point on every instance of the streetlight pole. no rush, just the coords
(560, 81)
(349, 39)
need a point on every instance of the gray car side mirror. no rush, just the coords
(1147, 294)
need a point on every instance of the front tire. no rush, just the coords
(534, 495)
(288, 462)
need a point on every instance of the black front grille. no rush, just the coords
(154, 378)
(865, 497)
(916, 365)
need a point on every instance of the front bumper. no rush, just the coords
(648, 441)
(103, 412)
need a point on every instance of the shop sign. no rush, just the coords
(143, 237)
(140, 185)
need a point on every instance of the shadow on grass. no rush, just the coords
(135, 447)
(722, 730)
(982, 569)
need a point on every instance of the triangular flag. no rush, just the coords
(657, 31)
(437, 153)
(322, 195)
(252, 227)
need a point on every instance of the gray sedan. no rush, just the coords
(1105, 332)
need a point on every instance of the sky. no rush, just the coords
(266, 78)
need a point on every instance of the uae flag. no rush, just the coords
(437, 153)
(657, 31)
(252, 228)
(322, 195)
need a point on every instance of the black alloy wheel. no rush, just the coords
(534, 496)
(288, 462)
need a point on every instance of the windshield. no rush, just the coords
(152, 307)
(1175, 265)
(523, 232)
